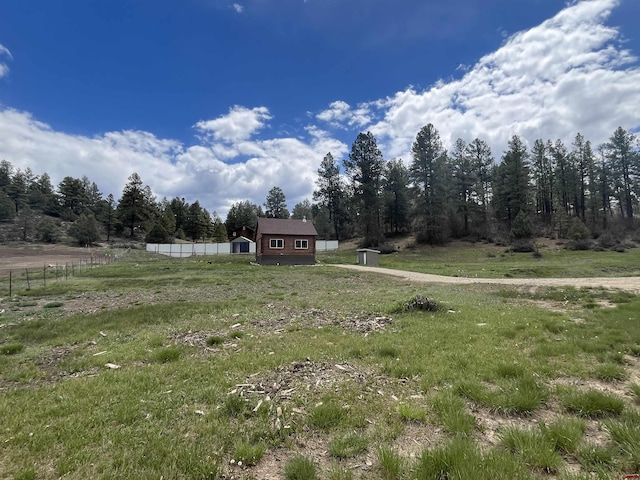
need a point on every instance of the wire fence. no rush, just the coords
(17, 280)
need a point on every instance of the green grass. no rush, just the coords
(300, 468)
(591, 403)
(304, 373)
(536, 449)
(11, 348)
(326, 415)
(348, 445)
(390, 462)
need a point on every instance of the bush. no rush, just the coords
(523, 246)
(419, 302)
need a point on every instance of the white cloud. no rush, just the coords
(4, 68)
(565, 76)
(199, 172)
(341, 115)
(570, 74)
(239, 124)
(238, 8)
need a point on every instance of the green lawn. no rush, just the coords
(213, 368)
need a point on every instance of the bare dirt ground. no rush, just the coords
(37, 256)
(629, 284)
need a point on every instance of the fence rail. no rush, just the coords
(22, 279)
(182, 250)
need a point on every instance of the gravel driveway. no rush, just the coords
(629, 284)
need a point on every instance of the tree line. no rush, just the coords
(550, 189)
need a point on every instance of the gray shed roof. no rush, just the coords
(285, 226)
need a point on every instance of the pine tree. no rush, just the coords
(624, 164)
(276, 204)
(132, 206)
(512, 182)
(396, 196)
(364, 168)
(542, 170)
(430, 176)
(330, 193)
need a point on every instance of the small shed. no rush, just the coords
(282, 241)
(367, 256)
(240, 245)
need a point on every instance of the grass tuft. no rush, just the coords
(450, 408)
(300, 468)
(166, 354)
(412, 413)
(391, 463)
(610, 372)
(248, 453)
(53, 305)
(348, 445)
(536, 449)
(11, 348)
(326, 415)
(215, 340)
(592, 403)
(565, 434)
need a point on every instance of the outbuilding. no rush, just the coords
(368, 256)
(282, 241)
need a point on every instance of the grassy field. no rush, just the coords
(208, 368)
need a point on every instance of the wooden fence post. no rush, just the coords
(28, 283)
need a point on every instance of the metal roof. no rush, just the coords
(285, 226)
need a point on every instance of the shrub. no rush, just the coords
(419, 302)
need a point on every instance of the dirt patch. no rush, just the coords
(43, 256)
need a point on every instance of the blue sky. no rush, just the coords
(220, 101)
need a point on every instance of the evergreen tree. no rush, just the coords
(276, 204)
(396, 196)
(624, 164)
(583, 160)
(196, 224)
(464, 180)
(482, 163)
(302, 210)
(242, 214)
(180, 209)
(330, 193)
(364, 168)
(430, 176)
(542, 170)
(84, 230)
(72, 198)
(132, 206)
(512, 182)
(219, 234)
(565, 178)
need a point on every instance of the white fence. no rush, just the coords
(182, 250)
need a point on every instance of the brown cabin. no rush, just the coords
(285, 242)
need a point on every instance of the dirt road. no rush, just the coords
(629, 284)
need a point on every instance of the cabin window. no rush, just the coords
(302, 244)
(276, 243)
